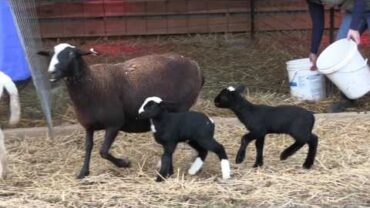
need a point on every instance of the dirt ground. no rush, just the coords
(42, 172)
(225, 59)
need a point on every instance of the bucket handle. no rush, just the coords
(357, 68)
(295, 74)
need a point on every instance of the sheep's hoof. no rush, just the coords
(307, 165)
(239, 158)
(283, 156)
(256, 165)
(159, 179)
(83, 174)
(122, 163)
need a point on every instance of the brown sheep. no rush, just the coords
(108, 96)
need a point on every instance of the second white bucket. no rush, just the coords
(305, 84)
(343, 64)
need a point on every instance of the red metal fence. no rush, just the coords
(89, 18)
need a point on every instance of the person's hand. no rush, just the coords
(313, 58)
(354, 35)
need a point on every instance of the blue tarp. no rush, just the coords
(12, 57)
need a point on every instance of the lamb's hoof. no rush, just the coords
(83, 174)
(3, 176)
(239, 158)
(159, 179)
(122, 163)
(283, 156)
(170, 173)
(307, 165)
(256, 165)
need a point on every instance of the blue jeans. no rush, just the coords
(346, 22)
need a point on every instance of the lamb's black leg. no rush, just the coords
(312, 148)
(259, 154)
(89, 143)
(291, 150)
(198, 162)
(110, 136)
(246, 139)
(166, 162)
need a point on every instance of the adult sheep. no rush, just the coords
(108, 96)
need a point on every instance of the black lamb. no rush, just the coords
(262, 119)
(192, 127)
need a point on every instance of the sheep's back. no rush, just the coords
(172, 77)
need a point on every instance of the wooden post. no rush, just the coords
(330, 87)
(253, 14)
(331, 26)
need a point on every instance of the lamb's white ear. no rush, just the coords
(240, 88)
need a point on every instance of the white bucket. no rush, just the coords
(305, 84)
(343, 64)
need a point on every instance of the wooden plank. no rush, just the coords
(156, 25)
(94, 27)
(60, 10)
(239, 23)
(178, 7)
(51, 29)
(116, 26)
(135, 26)
(177, 24)
(143, 17)
(218, 23)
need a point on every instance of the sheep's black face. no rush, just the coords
(62, 59)
(227, 96)
(223, 99)
(61, 64)
(150, 108)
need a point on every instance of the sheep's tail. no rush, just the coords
(15, 109)
(203, 79)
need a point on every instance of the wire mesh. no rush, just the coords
(24, 12)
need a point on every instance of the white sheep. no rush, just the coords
(15, 112)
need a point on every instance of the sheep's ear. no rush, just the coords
(85, 53)
(170, 106)
(240, 88)
(44, 53)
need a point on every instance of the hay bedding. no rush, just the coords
(43, 172)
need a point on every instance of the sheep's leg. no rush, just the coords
(246, 139)
(291, 150)
(217, 148)
(198, 162)
(3, 160)
(110, 136)
(89, 143)
(166, 162)
(312, 148)
(259, 154)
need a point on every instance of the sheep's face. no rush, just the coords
(62, 58)
(64, 61)
(227, 96)
(150, 108)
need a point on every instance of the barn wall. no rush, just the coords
(90, 18)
